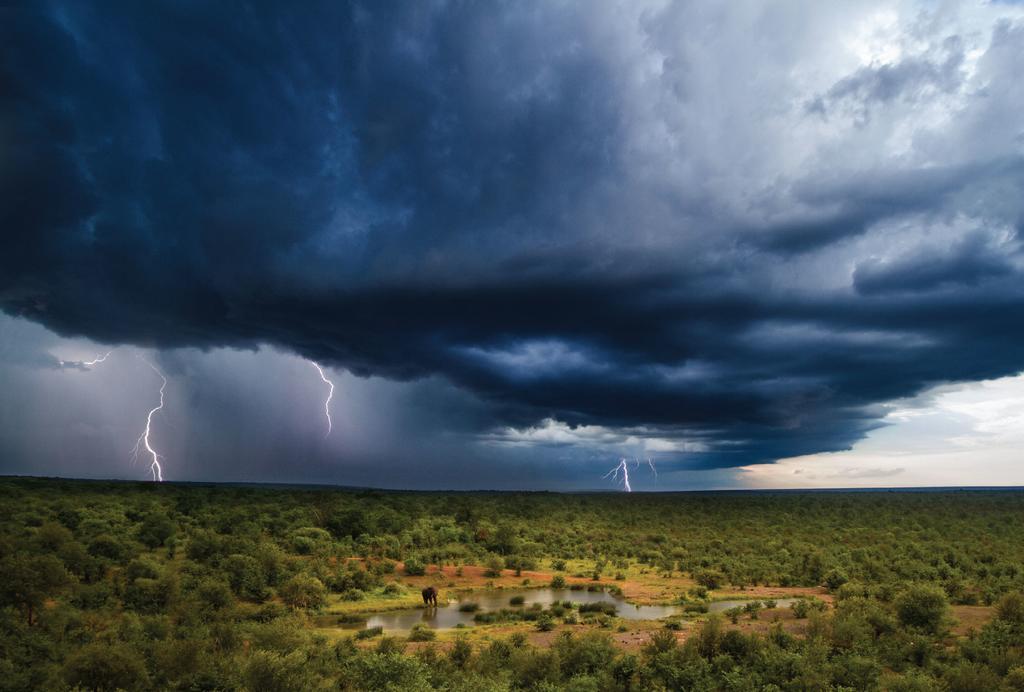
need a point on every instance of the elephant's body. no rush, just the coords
(430, 596)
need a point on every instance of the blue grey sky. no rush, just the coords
(525, 241)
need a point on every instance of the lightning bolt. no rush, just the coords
(97, 359)
(84, 363)
(624, 469)
(650, 463)
(330, 395)
(143, 442)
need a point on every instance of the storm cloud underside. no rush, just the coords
(722, 226)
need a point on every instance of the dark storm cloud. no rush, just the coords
(481, 193)
(968, 262)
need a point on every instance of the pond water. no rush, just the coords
(448, 616)
(722, 606)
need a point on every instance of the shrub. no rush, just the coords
(922, 606)
(100, 666)
(494, 566)
(304, 591)
(558, 582)
(415, 568)
(517, 600)
(155, 529)
(600, 607)
(558, 565)
(370, 632)
(708, 578)
(461, 652)
(835, 578)
(545, 623)
(662, 641)
(469, 607)
(1011, 608)
(214, 594)
(389, 645)
(246, 577)
(273, 672)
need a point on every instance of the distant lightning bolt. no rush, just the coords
(143, 442)
(330, 395)
(624, 469)
(81, 364)
(98, 359)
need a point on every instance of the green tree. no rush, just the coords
(26, 582)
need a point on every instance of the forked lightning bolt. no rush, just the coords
(143, 442)
(330, 395)
(84, 363)
(623, 468)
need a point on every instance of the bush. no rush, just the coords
(469, 607)
(494, 566)
(421, 633)
(922, 606)
(558, 565)
(155, 529)
(545, 623)
(709, 578)
(1011, 608)
(246, 577)
(558, 582)
(99, 666)
(268, 671)
(304, 591)
(370, 632)
(415, 568)
(517, 600)
(214, 594)
(600, 607)
(461, 652)
(835, 578)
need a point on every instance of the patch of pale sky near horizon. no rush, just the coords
(967, 434)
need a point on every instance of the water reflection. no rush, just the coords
(449, 616)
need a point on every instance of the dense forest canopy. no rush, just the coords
(110, 585)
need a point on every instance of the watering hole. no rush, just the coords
(449, 616)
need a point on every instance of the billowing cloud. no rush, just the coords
(615, 217)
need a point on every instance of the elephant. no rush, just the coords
(430, 596)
